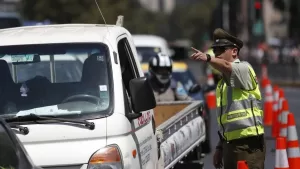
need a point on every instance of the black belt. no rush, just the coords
(259, 138)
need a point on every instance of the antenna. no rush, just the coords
(100, 11)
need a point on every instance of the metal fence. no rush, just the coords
(280, 72)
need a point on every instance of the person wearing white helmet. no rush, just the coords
(160, 76)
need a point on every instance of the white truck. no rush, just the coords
(107, 118)
(149, 45)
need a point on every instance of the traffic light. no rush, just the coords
(258, 26)
(258, 9)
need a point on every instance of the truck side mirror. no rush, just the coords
(142, 96)
(195, 88)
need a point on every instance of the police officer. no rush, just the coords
(239, 111)
(160, 76)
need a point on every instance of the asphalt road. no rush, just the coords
(293, 97)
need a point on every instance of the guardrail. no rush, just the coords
(278, 73)
(281, 74)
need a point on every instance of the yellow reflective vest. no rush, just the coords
(239, 111)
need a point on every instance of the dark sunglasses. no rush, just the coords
(222, 49)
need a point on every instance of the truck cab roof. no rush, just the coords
(62, 33)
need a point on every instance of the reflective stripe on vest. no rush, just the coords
(242, 114)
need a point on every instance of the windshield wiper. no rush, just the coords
(22, 129)
(35, 117)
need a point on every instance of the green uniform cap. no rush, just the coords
(222, 38)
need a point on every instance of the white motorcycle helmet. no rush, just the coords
(160, 67)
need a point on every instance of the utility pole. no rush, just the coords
(244, 20)
(287, 15)
(161, 4)
(225, 12)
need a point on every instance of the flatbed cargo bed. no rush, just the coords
(180, 128)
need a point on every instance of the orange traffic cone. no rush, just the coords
(275, 110)
(275, 99)
(283, 118)
(264, 75)
(268, 104)
(210, 97)
(242, 165)
(281, 161)
(293, 151)
(264, 82)
(281, 98)
(264, 71)
(276, 123)
(210, 78)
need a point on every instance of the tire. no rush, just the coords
(195, 155)
(193, 161)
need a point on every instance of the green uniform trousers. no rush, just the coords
(252, 150)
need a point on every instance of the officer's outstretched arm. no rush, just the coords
(221, 65)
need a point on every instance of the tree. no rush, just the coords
(58, 11)
(186, 21)
(191, 21)
(137, 19)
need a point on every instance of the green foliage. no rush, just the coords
(137, 19)
(186, 21)
(192, 21)
(7, 167)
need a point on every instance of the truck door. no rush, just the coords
(144, 132)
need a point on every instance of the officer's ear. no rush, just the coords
(235, 51)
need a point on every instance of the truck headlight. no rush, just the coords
(106, 158)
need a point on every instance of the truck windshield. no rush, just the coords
(147, 52)
(55, 79)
